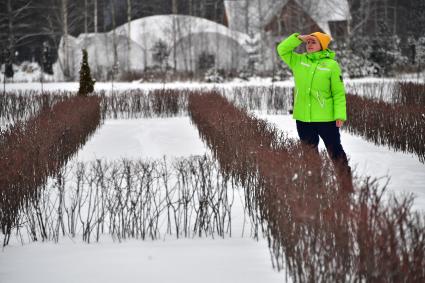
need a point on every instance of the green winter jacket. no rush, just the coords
(319, 89)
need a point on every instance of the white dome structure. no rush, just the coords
(185, 37)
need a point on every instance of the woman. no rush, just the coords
(319, 101)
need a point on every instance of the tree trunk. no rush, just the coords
(64, 13)
(261, 51)
(174, 11)
(174, 7)
(128, 34)
(11, 39)
(395, 16)
(114, 40)
(246, 17)
(11, 44)
(95, 16)
(86, 8)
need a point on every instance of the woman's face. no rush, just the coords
(313, 45)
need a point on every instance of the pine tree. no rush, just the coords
(86, 82)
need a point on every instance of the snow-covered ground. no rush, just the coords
(151, 138)
(238, 258)
(185, 260)
(120, 86)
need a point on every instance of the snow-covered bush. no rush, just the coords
(244, 74)
(27, 72)
(420, 51)
(282, 72)
(381, 54)
(355, 66)
(386, 52)
(160, 52)
(213, 76)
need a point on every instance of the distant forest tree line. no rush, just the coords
(25, 25)
(28, 26)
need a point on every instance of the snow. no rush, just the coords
(184, 260)
(406, 172)
(383, 85)
(143, 139)
(122, 86)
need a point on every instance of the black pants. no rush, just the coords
(309, 134)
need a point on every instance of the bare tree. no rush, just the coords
(175, 30)
(246, 13)
(86, 8)
(61, 20)
(129, 6)
(14, 29)
(95, 23)
(114, 40)
(190, 7)
(368, 16)
(64, 14)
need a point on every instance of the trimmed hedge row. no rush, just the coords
(33, 150)
(271, 99)
(315, 229)
(397, 125)
(137, 103)
(21, 105)
(409, 93)
(142, 104)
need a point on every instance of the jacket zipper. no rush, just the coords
(320, 100)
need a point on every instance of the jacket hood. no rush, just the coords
(327, 53)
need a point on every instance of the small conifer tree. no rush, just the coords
(86, 82)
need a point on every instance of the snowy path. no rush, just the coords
(185, 260)
(151, 138)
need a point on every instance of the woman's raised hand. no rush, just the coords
(304, 38)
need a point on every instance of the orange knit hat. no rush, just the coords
(323, 38)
